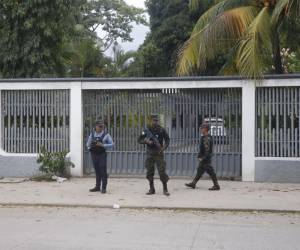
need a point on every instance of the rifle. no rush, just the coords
(151, 137)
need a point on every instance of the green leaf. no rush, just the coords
(216, 37)
(255, 46)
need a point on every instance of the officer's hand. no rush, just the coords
(200, 159)
(148, 142)
(99, 144)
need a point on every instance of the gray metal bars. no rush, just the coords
(35, 118)
(127, 112)
(277, 121)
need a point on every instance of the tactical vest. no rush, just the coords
(97, 149)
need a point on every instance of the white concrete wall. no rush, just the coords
(76, 87)
(248, 131)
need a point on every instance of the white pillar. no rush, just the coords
(76, 133)
(248, 131)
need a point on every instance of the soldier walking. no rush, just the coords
(157, 140)
(98, 142)
(204, 156)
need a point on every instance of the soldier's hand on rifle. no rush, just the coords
(99, 144)
(148, 142)
(162, 149)
(200, 159)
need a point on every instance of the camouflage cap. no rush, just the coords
(205, 125)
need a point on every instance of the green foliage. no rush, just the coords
(154, 60)
(121, 62)
(57, 38)
(54, 163)
(248, 33)
(115, 19)
(170, 23)
(290, 60)
(31, 36)
(83, 58)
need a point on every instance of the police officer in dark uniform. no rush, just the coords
(98, 142)
(157, 140)
(204, 156)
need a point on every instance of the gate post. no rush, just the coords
(76, 134)
(248, 131)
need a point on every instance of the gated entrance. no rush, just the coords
(181, 111)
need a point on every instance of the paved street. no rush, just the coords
(94, 228)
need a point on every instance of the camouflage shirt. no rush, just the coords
(205, 148)
(162, 136)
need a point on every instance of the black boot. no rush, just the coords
(166, 192)
(216, 185)
(104, 185)
(192, 184)
(95, 189)
(152, 189)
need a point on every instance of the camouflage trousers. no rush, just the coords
(159, 161)
(205, 167)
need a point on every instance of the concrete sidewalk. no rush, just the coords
(130, 193)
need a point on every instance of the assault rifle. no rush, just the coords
(148, 135)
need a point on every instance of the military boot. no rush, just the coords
(191, 184)
(152, 189)
(165, 187)
(216, 185)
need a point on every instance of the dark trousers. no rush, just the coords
(205, 167)
(160, 162)
(100, 166)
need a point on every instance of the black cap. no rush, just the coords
(205, 125)
(99, 123)
(154, 117)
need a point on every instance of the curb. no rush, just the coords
(199, 209)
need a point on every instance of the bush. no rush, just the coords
(54, 163)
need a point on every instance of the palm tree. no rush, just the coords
(83, 58)
(246, 31)
(121, 60)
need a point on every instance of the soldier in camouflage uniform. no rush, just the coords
(204, 156)
(157, 140)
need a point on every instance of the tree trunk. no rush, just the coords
(277, 60)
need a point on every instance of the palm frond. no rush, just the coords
(229, 68)
(216, 37)
(224, 4)
(209, 16)
(219, 8)
(280, 7)
(255, 46)
(294, 8)
(287, 8)
(194, 5)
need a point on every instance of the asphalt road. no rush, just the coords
(80, 228)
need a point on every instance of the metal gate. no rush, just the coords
(32, 119)
(277, 122)
(126, 113)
